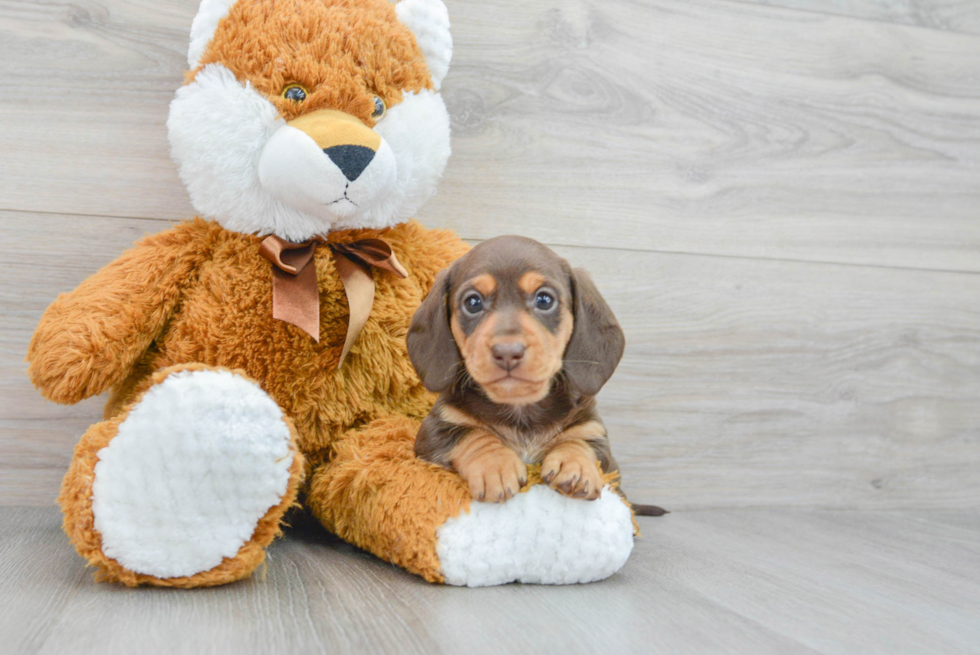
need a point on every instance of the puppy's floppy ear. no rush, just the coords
(431, 346)
(597, 341)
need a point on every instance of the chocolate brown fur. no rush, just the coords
(517, 378)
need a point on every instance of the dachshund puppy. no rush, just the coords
(518, 344)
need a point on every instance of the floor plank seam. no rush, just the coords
(818, 262)
(551, 244)
(14, 210)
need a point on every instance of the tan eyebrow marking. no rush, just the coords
(531, 282)
(485, 284)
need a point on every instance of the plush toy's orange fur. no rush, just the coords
(199, 294)
(332, 68)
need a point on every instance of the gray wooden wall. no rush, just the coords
(780, 199)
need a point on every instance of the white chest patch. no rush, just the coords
(538, 537)
(194, 467)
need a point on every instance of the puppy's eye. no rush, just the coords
(473, 303)
(294, 92)
(544, 301)
(379, 108)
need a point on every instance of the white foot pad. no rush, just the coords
(537, 537)
(194, 467)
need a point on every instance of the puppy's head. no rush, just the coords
(516, 315)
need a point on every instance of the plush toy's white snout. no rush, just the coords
(327, 164)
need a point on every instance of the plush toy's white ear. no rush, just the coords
(204, 26)
(429, 21)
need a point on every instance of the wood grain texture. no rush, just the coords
(711, 127)
(761, 581)
(745, 382)
(722, 128)
(751, 382)
(47, 255)
(946, 15)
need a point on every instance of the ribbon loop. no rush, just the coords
(295, 293)
(373, 252)
(286, 255)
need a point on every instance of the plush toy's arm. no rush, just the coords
(89, 339)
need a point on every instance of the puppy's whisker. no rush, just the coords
(456, 375)
(459, 377)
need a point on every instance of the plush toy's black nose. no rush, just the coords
(351, 160)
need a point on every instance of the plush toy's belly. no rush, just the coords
(225, 319)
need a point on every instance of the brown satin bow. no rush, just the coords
(296, 297)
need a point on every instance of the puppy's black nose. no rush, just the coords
(351, 160)
(508, 355)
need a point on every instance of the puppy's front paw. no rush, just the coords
(570, 468)
(494, 474)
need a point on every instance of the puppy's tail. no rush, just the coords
(648, 510)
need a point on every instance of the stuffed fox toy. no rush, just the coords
(255, 356)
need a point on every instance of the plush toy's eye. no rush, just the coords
(294, 92)
(544, 301)
(379, 108)
(473, 304)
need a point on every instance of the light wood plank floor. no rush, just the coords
(779, 198)
(752, 581)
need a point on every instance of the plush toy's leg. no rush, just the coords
(377, 495)
(186, 486)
